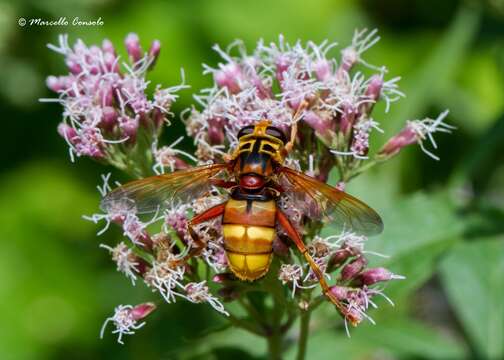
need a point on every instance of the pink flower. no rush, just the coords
(132, 43)
(416, 132)
(126, 319)
(105, 106)
(372, 276)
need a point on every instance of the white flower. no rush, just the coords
(292, 273)
(424, 129)
(125, 260)
(124, 321)
(166, 279)
(199, 292)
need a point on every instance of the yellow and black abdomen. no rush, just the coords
(249, 231)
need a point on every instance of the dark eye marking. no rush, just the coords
(273, 131)
(268, 147)
(246, 131)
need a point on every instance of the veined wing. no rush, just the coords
(333, 205)
(154, 193)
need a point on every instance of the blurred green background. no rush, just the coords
(444, 220)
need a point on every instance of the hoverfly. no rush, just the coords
(255, 178)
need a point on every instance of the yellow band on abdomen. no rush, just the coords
(248, 249)
(248, 239)
(248, 266)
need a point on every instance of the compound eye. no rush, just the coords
(247, 130)
(273, 131)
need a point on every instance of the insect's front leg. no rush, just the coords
(207, 215)
(296, 238)
(290, 145)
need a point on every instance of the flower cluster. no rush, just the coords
(107, 114)
(286, 83)
(344, 258)
(328, 100)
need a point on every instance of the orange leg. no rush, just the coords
(209, 214)
(290, 145)
(296, 238)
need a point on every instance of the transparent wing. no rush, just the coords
(325, 202)
(155, 193)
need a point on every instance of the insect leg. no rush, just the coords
(209, 214)
(290, 145)
(296, 238)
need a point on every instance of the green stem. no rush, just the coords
(275, 345)
(275, 337)
(245, 325)
(252, 311)
(275, 334)
(354, 173)
(304, 331)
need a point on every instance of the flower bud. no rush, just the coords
(129, 128)
(373, 92)
(108, 47)
(105, 95)
(68, 133)
(282, 64)
(109, 117)
(347, 119)
(54, 83)
(341, 292)
(73, 67)
(372, 276)
(352, 269)
(132, 43)
(338, 259)
(111, 63)
(322, 125)
(216, 131)
(349, 58)
(94, 66)
(154, 51)
(322, 69)
(405, 137)
(141, 311)
(229, 76)
(263, 91)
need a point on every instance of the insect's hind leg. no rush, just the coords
(296, 238)
(207, 215)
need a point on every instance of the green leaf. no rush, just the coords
(437, 71)
(473, 278)
(392, 337)
(415, 222)
(409, 337)
(418, 267)
(418, 229)
(236, 338)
